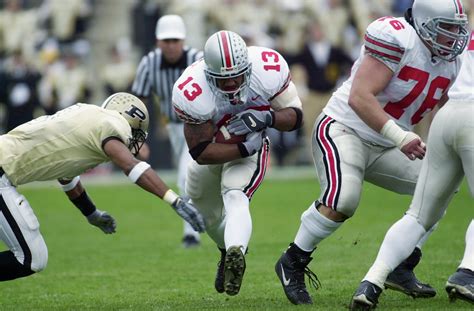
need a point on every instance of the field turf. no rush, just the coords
(144, 267)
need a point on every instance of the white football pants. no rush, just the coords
(449, 157)
(19, 228)
(207, 184)
(343, 161)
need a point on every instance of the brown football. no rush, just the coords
(223, 136)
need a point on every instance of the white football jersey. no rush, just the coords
(463, 88)
(62, 145)
(194, 102)
(419, 79)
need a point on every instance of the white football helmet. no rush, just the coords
(428, 18)
(226, 56)
(134, 111)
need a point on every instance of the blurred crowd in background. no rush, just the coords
(55, 53)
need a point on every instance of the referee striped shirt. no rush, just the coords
(156, 75)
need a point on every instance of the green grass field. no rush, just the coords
(144, 267)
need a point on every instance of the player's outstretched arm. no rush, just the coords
(78, 196)
(142, 174)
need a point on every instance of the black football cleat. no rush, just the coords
(291, 272)
(403, 278)
(234, 268)
(461, 285)
(366, 296)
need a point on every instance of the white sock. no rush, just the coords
(468, 259)
(313, 229)
(398, 244)
(239, 222)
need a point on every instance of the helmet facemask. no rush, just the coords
(434, 20)
(235, 96)
(432, 29)
(136, 142)
(226, 57)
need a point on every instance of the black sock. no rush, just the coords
(294, 251)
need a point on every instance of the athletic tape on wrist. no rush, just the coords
(170, 197)
(138, 170)
(393, 132)
(71, 185)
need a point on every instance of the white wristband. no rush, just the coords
(170, 196)
(393, 132)
(138, 170)
(70, 185)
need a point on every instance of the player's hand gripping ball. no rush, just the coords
(223, 136)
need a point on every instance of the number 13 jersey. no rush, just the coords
(419, 80)
(194, 102)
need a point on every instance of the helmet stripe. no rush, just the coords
(459, 8)
(226, 49)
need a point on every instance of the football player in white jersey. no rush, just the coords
(405, 68)
(450, 156)
(63, 146)
(248, 90)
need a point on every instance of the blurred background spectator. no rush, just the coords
(119, 70)
(18, 90)
(66, 51)
(324, 64)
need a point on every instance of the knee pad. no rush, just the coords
(235, 198)
(349, 197)
(39, 254)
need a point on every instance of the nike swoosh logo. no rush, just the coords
(256, 97)
(252, 122)
(419, 286)
(286, 281)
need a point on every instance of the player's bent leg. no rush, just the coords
(19, 229)
(238, 227)
(237, 234)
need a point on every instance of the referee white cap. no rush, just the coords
(170, 27)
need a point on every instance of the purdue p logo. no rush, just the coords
(135, 112)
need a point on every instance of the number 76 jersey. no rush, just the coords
(419, 80)
(194, 102)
